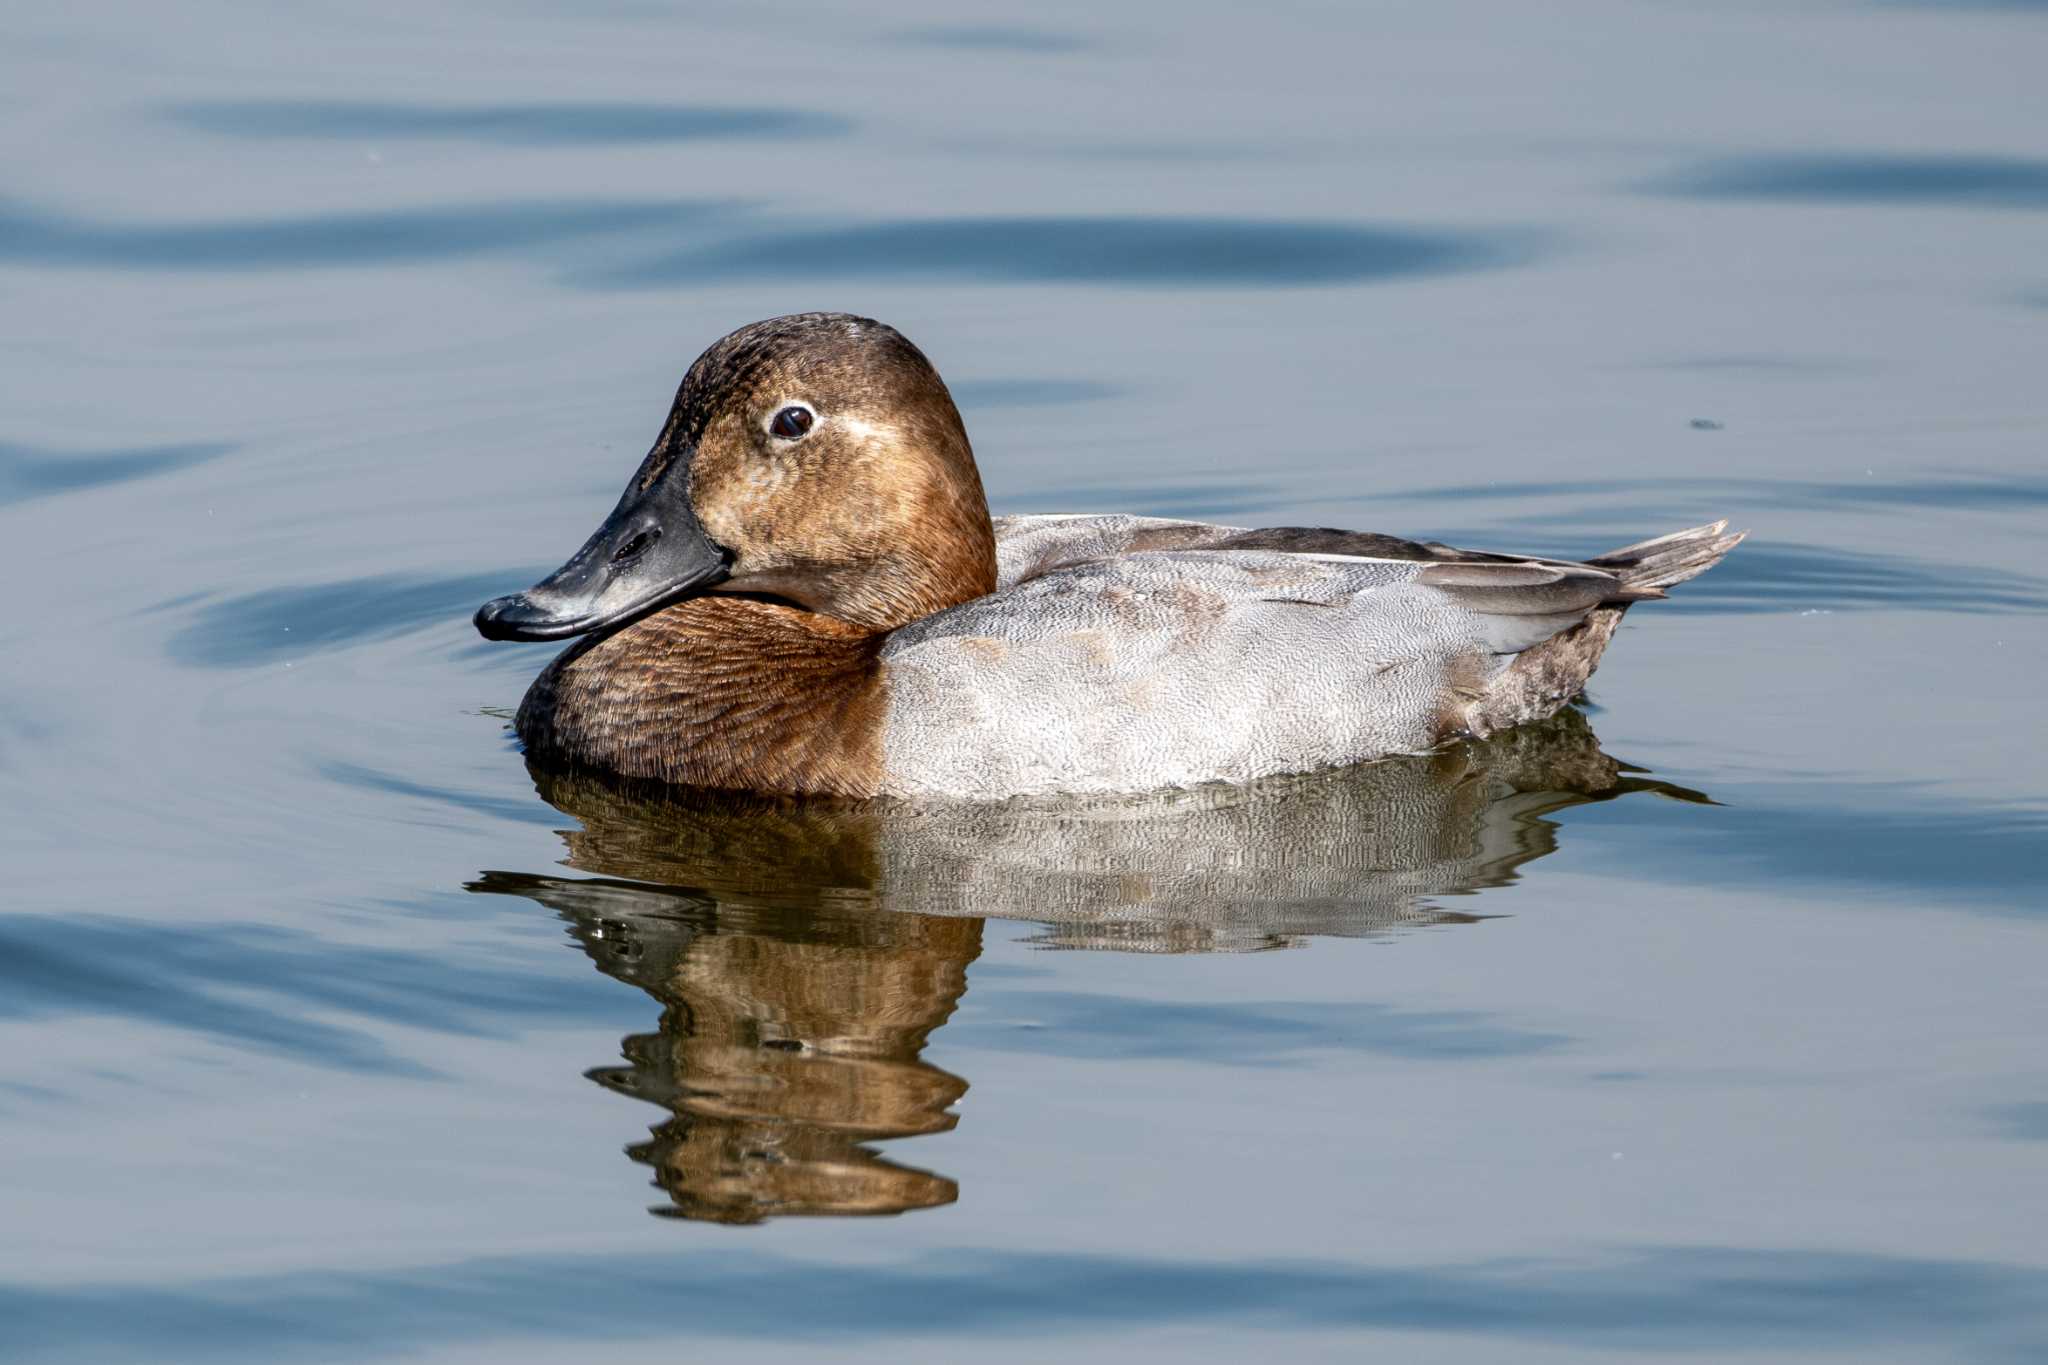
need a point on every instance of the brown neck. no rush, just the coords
(954, 559)
(936, 550)
(726, 692)
(909, 586)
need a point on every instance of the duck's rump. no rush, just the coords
(1127, 653)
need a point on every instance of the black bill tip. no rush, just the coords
(518, 617)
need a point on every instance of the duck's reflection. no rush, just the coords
(803, 954)
(787, 1041)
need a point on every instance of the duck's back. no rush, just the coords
(1123, 654)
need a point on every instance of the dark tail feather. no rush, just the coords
(1543, 678)
(1650, 566)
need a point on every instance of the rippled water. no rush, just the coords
(1708, 1022)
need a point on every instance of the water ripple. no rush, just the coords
(1867, 178)
(269, 989)
(1150, 251)
(38, 237)
(1221, 499)
(1028, 393)
(2016, 6)
(1869, 840)
(1643, 1299)
(2027, 1121)
(539, 124)
(993, 38)
(290, 623)
(495, 807)
(1989, 492)
(1073, 1024)
(28, 472)
(1773, 577)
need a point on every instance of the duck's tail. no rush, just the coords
(1544, 678)
(1648, 567)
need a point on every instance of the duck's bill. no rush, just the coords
(638, 562)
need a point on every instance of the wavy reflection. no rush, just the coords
(788, 1041)
(803, 954)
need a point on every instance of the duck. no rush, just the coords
(801, 593)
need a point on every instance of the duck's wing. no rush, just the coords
(1159, 668)
(1032, 545)
(1028, 546)
(1124, 653)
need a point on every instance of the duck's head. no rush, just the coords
(815, 458)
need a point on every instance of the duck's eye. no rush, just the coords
(791, 423)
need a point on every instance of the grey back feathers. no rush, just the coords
(1125, 653)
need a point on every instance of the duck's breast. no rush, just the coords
(1172, 668)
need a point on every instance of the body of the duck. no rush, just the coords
(802, 592)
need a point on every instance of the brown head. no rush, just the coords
(815, 458)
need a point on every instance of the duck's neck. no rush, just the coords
(882, 577)
(951, 559)
(727, 692)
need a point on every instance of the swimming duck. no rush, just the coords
(801, 592)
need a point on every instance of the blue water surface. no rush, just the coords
(1703, 1022)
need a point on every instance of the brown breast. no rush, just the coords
(728, 692)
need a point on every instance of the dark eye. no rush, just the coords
(790, 423)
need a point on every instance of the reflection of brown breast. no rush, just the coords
(823, 1030)
(789, 1039)
(724, 692)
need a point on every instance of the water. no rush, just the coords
(1707, 1023)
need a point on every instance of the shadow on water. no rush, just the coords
(538, 124)
(27, 472)
(1982, 182)
(1126, 251)
(804, 953)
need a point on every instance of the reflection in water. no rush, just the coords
(804, 953)
(786, 1043)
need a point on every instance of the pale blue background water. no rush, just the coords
(322, 323)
